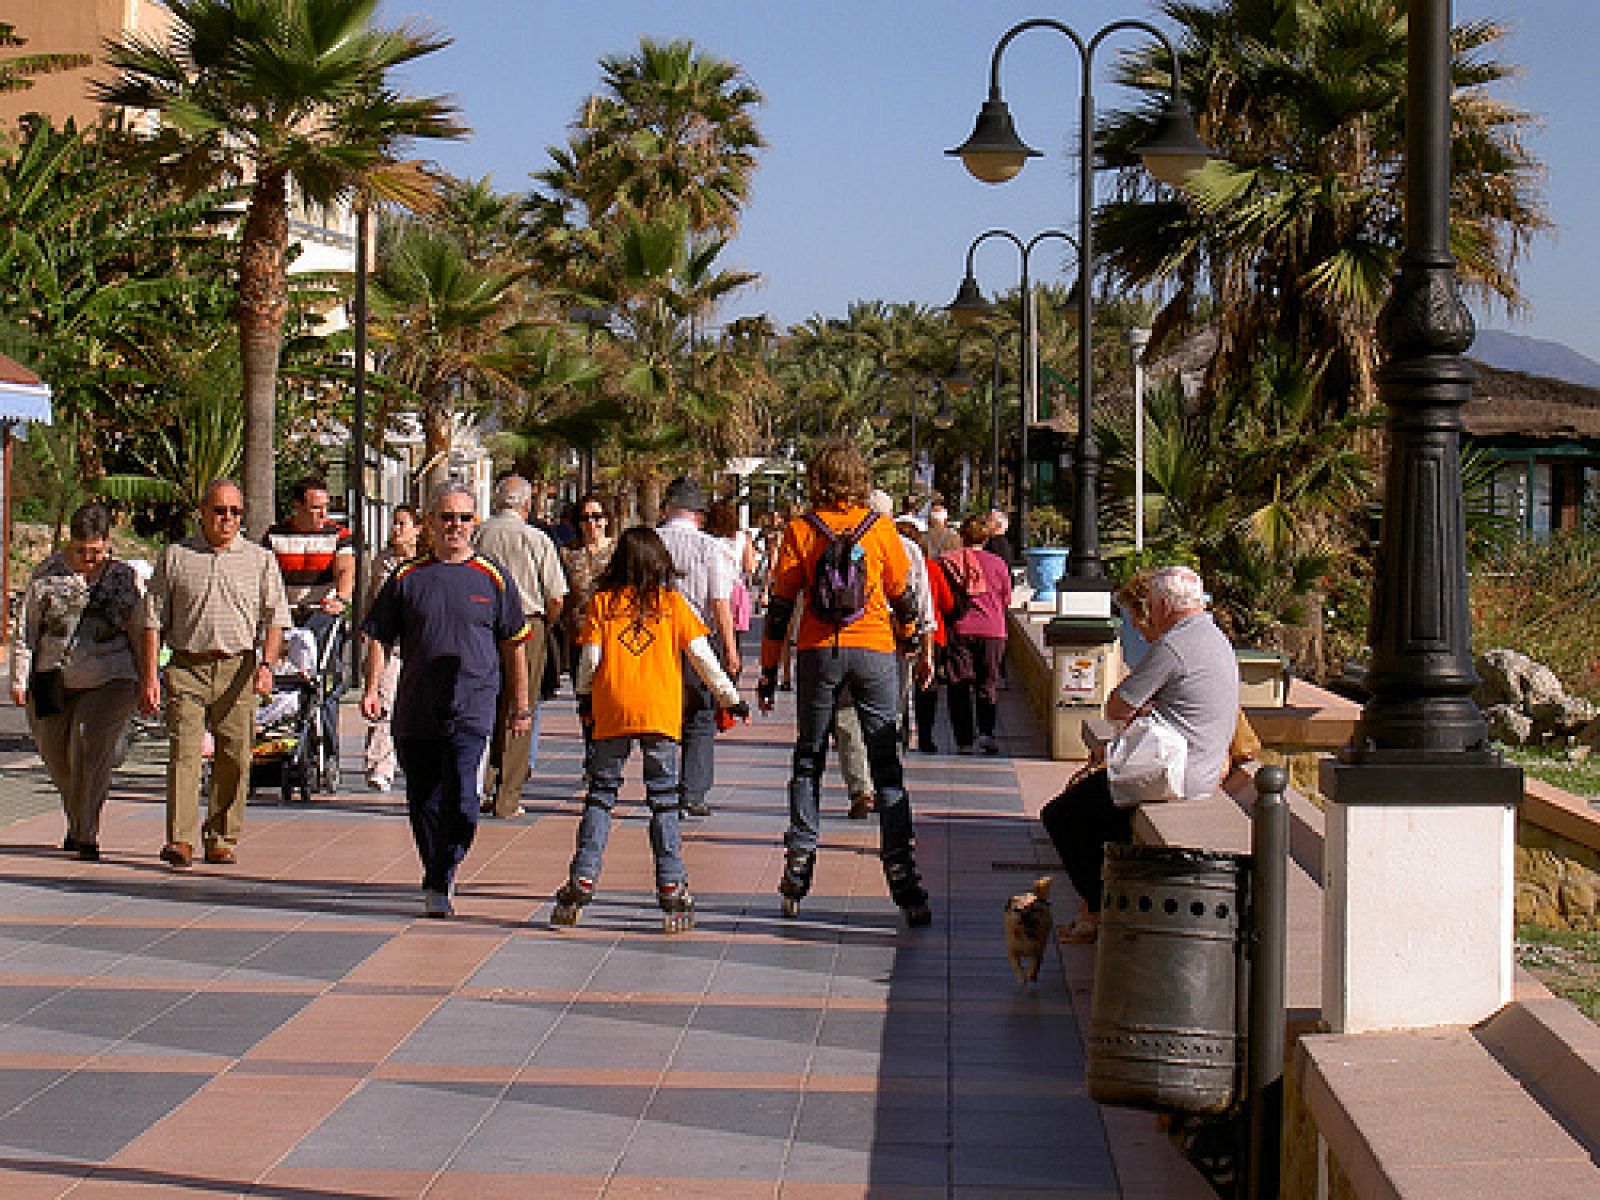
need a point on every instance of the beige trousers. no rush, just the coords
(79, 748)
(509, 753)
(220, 696)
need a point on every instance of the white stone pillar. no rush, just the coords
(1418, 902)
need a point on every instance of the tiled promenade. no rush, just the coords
(289, 1028)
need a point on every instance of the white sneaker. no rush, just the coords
(437, 904)
(379, 783)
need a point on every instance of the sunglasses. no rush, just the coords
(592, 517)
(224, 510)
(455, 518)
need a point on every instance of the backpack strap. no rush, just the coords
(820, 525)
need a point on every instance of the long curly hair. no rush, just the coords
(640, 563)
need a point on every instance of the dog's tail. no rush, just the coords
(1041, 887)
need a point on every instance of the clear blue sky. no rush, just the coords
(855, 199)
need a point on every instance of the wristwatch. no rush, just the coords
(522, 714)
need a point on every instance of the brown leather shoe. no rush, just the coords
(221, 855)
(178, 855)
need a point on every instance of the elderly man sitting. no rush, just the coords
(1190, 678)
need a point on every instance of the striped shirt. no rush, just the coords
(214, 600)
(704, 572)
(307, 559)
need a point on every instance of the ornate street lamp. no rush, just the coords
(1136, 339)
(969, 308)
(1422, 816)
(959, 381)
(994, 153)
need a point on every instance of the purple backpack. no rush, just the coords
(838, 589)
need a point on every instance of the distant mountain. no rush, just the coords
(1534, 356)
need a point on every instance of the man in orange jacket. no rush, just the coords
(856, 649)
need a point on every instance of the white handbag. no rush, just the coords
(1146, 761)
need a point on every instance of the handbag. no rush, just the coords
(1146, 762)
(48, 690)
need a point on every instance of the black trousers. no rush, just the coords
(1080, 821)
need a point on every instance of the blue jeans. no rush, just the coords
(873, 678)
(697, 771)
(442, 800)
(607, 758)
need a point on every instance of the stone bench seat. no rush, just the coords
(1447, 1113)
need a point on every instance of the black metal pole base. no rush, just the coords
(1399, 777)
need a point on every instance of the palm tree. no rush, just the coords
(439, 328)
(671, 127)
(281, 95)
(1295, 231)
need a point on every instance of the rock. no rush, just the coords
(1589, 735)
(1508, 725)
(1509, 677)
(1565, 716)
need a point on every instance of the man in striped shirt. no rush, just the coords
(318, 560)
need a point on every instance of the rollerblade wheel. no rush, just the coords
(791, 907)
(565, 913)
(677, 922)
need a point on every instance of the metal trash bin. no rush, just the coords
(1166, 1025)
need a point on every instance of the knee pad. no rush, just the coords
(606, 801)
(662, 801)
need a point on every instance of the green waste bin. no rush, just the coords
(1167, 1018)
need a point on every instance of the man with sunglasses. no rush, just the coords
(458, 622)
(218, 601)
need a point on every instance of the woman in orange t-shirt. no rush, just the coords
(629, 680)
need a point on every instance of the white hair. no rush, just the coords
(1179, 588)
(450, 487)
(880, 502)
(512, 492)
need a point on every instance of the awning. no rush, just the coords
(23, 396)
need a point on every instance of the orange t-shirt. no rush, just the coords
(888, 572)
(638, 686)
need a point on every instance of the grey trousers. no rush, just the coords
(79, 748)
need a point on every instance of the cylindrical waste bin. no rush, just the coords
(1165, 1025)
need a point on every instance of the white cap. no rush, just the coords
(920, 524)
(880, 502)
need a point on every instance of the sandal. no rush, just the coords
(1082, 932)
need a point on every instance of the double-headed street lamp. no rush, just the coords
(994, 153)
(958, 382)
(969, 308)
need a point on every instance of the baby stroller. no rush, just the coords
(294, 749)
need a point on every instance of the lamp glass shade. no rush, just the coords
(1071, 306)
(969, 307)
(1174, 151)
(944, 418)
(957, 383)
(994, 153)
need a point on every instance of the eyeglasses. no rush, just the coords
(455, 518)
(591, 516)
(224, 510)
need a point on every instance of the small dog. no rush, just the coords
(1028, 922)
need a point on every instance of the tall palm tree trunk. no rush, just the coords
(263, 303)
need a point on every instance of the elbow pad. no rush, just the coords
(904, 607)
(775, 626)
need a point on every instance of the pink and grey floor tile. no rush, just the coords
(291, 1028)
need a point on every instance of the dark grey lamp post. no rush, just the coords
(994, 153)
(1421, 676)
(943, 418)
(959, 382)
(969, 308)
(593, 317)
